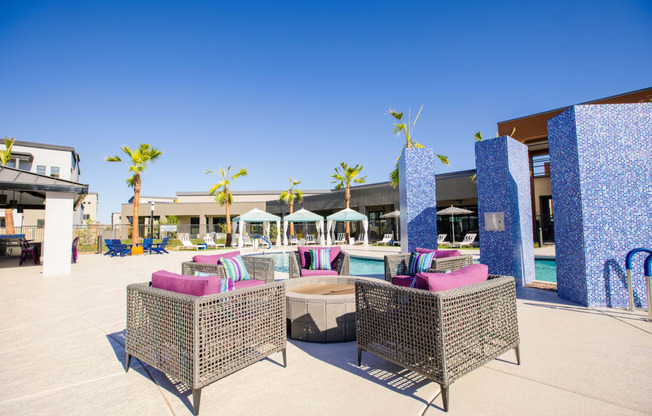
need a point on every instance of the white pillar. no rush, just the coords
(365, 226)
(57, 239)
(285, 232)
(278, 232)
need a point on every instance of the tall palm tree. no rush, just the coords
(344, 175)
(223, 195)
(290, 196)
(141, 157)
(5, 157)
(407, 130)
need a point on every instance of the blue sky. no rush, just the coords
(294, 88)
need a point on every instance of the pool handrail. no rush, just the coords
(647, 266)
(629, 258)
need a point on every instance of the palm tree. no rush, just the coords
(5, 157)
(290, 196)
(407, 130)
(223, 195)
(140, 159)
(344, 175)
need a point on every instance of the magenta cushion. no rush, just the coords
(402, 280)
(437, 282)
(241, 284)
(447, 253)
(304, 255)
(213, 259)
(306, 272)
(424, 250)
(189, 285)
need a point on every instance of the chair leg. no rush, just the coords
(517, 350)
(196, 397)
(127, 363)
(444, 396)
(359, 356)
(285, 360)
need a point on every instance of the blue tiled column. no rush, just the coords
(601, 168)
(504, 187)
(416, 169)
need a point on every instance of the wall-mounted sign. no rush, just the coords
(494, 221)
(168, 228)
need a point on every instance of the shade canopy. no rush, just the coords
(347, 214)
(454, 211)
(393, 214)
(256, 215)
(303, 215)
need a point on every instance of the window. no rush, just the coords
(11, 163)
(40, 223)
(54, 171)
(40, 169)
(87, 217)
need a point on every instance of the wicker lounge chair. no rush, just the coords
(340, 265)
(399, 264)
(198, 340)
(259, 268)
(440, 335)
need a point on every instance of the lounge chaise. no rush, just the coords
(387, 238)
(468, 241)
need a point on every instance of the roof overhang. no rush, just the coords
(27, 190)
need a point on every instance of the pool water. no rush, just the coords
(545, 270)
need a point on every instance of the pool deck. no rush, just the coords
(61, 349)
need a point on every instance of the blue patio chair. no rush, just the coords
(120, 249)
(147, 245)
(109, 246)
(159, 248)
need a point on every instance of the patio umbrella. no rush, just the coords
(396, 215)
(452, 211)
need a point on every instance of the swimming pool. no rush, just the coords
(545, 269)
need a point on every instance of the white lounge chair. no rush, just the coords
(360, 239)
(468, 241)
(186, 243)
(310, 239)
(211, 243)
(341, 238)
(440, 240)
(246, 241)
(294, 240)
(386, 239)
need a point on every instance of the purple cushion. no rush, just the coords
(304, 255)
(241, 284)
(437, 282)
(424, 250)
(306, 272)
(402, 280)
(189, 285)
(213, 259)
(447, 253)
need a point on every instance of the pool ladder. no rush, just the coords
(647, 267)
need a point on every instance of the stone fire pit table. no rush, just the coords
(322, 308)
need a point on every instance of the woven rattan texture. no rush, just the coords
(399, 264)
(342, 264)
(198, 340)
(259, 268)
(440, 335)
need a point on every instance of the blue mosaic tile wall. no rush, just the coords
(504, 186)
(601, 171)
(418, 199)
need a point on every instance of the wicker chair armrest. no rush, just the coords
(343, 264)
(450, 263)
(188, 268)
(260, 268)
(294, 265)
(396, 264)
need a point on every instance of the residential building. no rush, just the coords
(90, 207)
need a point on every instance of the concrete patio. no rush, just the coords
(61, 353)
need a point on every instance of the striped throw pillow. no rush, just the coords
(320, 259)
(420, 262)
(226, 284)
(235, 269)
